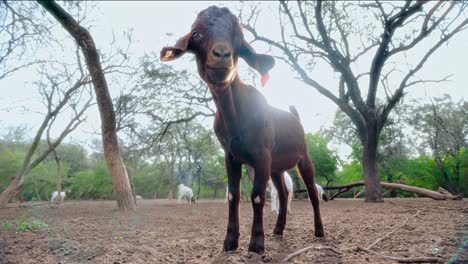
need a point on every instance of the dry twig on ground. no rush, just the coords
(404, 260)
(301, 251)
(393, 231)
(400, 259)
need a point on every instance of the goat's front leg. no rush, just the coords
(262, 173)
(234, 172)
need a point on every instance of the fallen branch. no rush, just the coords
(301, 251)
(393, 231)
(359, 193)
(440, 194)
(402, 259)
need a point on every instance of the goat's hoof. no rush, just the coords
(258, 248)
(320, 236)
(230, 245)
(266, 258)
(278, 232)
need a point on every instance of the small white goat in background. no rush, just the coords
(185, 193)
(321, 193)
(55, 195)
(274, 193)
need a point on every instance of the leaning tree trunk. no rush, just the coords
(120, 181)
(132, 185)
(369, 164)
(12, 190)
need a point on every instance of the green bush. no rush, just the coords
(92, 184)
(23, 225)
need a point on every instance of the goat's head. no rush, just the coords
(217, 41)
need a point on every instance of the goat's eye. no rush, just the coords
(196, 34)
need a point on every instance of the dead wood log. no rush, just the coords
(440, 194)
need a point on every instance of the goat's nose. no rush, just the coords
(221, 51)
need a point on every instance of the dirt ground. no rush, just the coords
(163, 232)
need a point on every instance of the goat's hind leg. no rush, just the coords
(307, 171)
(278, 181)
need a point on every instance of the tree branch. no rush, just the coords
(399, 92)
(382, 52)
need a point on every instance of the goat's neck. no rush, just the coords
(226, 104)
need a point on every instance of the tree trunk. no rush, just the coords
(59, 180)
(171, 179)
(371, 175)
(199, 183)
(130, 178)
(12, 190)
(457, 176)
(441, 164)
(120, 181)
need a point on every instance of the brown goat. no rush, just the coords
(250, 131)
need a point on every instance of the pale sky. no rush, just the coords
(151, 21)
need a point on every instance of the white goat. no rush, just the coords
(321, 193)
(274, 193)
(138, 197)
(185, 193)
(55, 195)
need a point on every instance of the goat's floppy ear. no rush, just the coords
(179, 49)
(260, 62)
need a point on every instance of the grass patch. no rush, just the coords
(24, 225)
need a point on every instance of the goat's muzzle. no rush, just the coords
(221, 53)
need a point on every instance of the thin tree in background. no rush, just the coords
(54, 108)
(312, 31)
(442, 126)
(120, 180)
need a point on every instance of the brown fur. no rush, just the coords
(250, 131)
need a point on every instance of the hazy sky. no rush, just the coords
(151, 21)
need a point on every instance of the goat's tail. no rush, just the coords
(293, 111)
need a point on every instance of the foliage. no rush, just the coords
(92, 184)
(24, 225)
(441, 128)
(325, 159)
(9, 165)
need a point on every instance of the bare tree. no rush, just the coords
(186, 99)
(20, 36)
(120, 180)
(73, 104)
(341, 33)
(56, 100)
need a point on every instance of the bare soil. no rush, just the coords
(163, 232)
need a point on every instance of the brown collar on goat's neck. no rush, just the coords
(226, 105)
